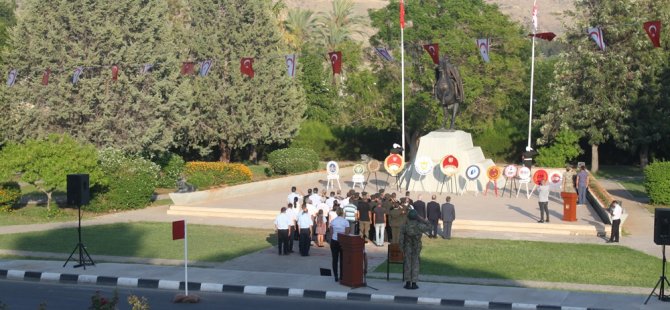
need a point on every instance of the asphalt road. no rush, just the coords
(20, 295)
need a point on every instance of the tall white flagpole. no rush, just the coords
(532, 72)
(402, 106)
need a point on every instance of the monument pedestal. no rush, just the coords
(440, 143)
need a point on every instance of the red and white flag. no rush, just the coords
(247, 66)
(336, 61)
(544, 35)
(187, 68)
(45, 77)
(653, 29)
(483, 45)
(178, 230)
(534, 17)
(402, 14)
(434, 52)
(596, 33)
(115, 73)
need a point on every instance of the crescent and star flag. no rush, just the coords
(434, 52)
(534, 18)
(204, 67)
(483, 45)
(544, 35)
(115, 73)
(187, 68)
(384, 53)
(402, 14)
(336, 61)
(653, 29)
(45, 76)
(77, 74)
(247, 66)
(11, 78)
(290, 64)
(596, 33)
(178, 229)
(146, 68)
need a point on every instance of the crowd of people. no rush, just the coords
(317, 217)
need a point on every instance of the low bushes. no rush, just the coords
(657, 176)
(207, 174)
(172, 166)
(10, 194)
(293, 160)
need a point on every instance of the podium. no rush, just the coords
(569, 206)
(352, 260)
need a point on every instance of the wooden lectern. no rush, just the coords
(569, 206)
(352, 260)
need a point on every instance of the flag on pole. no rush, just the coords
(204, 67)
(187, 68)
(384, 53)
(115, 73)
(483, 45)
(45, 77)
(596, 33)
(534, 18)
(336, 61)
(178, 230)
(247, 66)
(653, 29)
(434, 52)
(77, 74)
(544, 35)
(146, 68)
(402, 14)
(290, 64)
(11, 78)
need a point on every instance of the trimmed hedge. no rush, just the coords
(657, 176)
(293, 160)
(207, 174)
(10, 194)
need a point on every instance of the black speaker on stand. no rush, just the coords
(78, 194)
(661, 237)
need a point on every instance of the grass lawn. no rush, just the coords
(540, 261)
(33, 214)
(148, 240)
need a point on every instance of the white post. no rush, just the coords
(532, 75)
(185, 258)
(402, 78)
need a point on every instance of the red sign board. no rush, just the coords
(178, 229)
(540, 175)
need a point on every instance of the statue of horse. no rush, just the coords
(448, 89)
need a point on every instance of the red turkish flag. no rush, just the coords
(187, 68)
(45, 77)
(402, 14)
(247, 67)
(544, 35)
(115, 73)
(178, 230)
(653, 29)
(336, 61)
(434, 52)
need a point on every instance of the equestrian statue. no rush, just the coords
(448, 89)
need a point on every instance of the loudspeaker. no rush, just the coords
(77, 189)
(662, 226)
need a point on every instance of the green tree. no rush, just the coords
(339, 25)
(133, 113)
(300, 27)
(45, 163)
(7, 19)
(226, 108)
(595, 90)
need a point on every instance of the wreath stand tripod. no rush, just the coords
(84, 257)
(662, 281)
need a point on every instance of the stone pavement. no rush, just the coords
(266, 273)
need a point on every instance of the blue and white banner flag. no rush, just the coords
(483, 45)
(204, 67)
(11, 78)
(384, 53)
(146, 68)
(290, 64)
(77, 74)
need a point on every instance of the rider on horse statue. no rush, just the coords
(448, 89)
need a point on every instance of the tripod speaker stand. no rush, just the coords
(662, 281)
(84, 257)
(78, 195)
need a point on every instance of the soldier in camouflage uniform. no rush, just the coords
(397, 218)
(410, 243)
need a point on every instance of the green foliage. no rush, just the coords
(129, 182)
(318, 137)
(172, 166)
(562, 151)
(293, 160)
(100, 302)
(207, 174)
(500, 141)
(657, 176)
(10, 194)
(45, 163)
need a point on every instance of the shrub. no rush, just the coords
(10, 194)
(565, 149)
(657, 176)
(207, 174)
(500, 141)
(172, 166)
(293, 160)
(317, 136)
(129, 182)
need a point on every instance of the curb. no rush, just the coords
(37, 276)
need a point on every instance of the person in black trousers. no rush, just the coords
(420, 207)
(434, 215)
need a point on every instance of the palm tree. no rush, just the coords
(340, 24)
(299, 26)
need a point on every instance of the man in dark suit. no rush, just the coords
(448, 217)
(433, 213)
(420, 207)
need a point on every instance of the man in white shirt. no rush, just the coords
(282, 223)
(617, 211)
(315, 197)
(337, 226)
(292, 213)
(331, 200)
(305, 224)
(291, 197)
